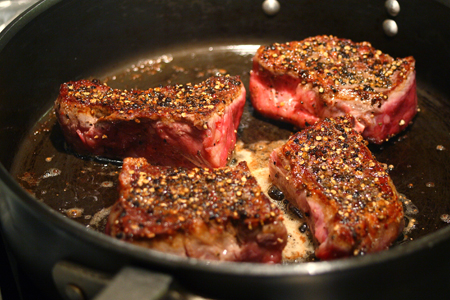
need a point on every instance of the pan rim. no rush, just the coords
(229, 268)
(23, 19)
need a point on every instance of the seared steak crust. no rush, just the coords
(215, 214)
(303, 81)
(180, 125)
(327, 171)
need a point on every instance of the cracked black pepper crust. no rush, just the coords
(188, 101)
(331, 64)
(162, 200)
(341, 170)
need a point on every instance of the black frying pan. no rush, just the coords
(58, 41)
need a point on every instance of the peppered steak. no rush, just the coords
(180, 125)
(301, 82)
(213, 214)
(328, 172)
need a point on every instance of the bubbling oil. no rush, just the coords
(299, 246)
(410, 210)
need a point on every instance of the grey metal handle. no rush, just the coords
(75, 282)
(134, 283)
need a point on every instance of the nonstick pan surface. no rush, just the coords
(67, 41)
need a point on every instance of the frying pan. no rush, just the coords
(57, 41)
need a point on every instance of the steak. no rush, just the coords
(328, 172)
(181, 125)
(324, 76)
(213, 214)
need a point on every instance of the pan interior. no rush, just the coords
(83, 188)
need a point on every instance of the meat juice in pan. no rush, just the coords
(84, 189)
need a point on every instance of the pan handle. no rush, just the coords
(136, 283)
(75, 282)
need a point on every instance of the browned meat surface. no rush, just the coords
(302, 82)
(328, 172)
(212, 214)
(180, 125)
